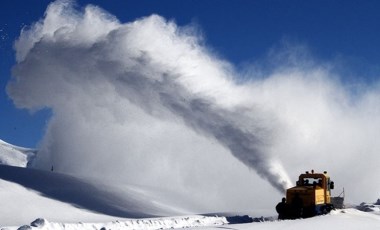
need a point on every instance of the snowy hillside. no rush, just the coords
(29, 194)
(34, 199)
(14, 155)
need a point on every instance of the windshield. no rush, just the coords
(312, 181)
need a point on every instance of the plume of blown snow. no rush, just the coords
(145, 102)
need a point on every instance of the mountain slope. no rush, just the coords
(20, 206)
(67, 194)
(16, 156)
(98, 197)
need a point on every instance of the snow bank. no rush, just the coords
(346, 219)
(135, 224)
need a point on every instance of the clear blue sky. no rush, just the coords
(239, 31)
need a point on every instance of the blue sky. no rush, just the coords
(238, 31)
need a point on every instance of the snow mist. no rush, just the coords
(146, 103)
(129, 99)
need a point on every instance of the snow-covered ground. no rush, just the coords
(34, 199)
(336, 220)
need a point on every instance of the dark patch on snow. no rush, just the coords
(263, 219)
(25, 227)
(243, 219)
(239, 219)
(39, 223)
(369, 207)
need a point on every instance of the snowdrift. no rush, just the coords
(135, 224)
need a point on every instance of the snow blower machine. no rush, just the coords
(310, 197)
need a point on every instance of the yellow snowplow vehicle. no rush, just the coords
(310, 197)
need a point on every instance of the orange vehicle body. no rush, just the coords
(310, 197)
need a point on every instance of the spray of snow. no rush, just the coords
(146, 102)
